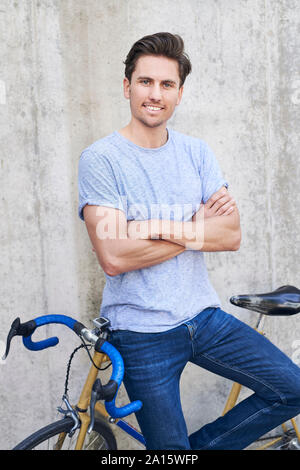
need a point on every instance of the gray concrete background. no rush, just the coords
(61, 77)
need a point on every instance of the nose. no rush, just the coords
(155, 92)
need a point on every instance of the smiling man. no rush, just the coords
(154, 91)
(154, 200)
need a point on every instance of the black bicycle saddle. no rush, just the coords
(283, 301)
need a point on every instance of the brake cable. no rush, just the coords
(83, 345)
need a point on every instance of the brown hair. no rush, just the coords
(163, 44)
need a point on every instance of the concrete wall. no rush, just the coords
(61, 77)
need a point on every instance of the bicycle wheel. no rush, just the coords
(55, 437)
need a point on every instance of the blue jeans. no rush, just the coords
(221, 344)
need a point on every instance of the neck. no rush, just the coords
(143, 136)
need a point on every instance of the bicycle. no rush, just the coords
(79, 429)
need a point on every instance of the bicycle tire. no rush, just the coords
(101, 438)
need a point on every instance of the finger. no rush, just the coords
(213, 200)
(229, 204)
(210, 202)
(229, 211)
(220, 203)
(228, 207)
(216, 196)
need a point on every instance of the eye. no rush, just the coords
(168, 85)
(145, 81)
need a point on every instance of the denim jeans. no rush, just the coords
(223, 345)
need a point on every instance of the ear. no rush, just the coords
(126, 88)
(179, 95)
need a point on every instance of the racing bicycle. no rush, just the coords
(87, 425)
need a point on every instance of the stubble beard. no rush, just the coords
(149, 125)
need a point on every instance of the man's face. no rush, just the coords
(154, 90)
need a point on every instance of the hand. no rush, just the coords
(220, 203)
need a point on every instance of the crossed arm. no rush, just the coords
(202, 233)
(123, 246)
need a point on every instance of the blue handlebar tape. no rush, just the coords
(117, 362)
(49, 342)
(117, 376)
(45, 319)
(37, 346)
(124, 410)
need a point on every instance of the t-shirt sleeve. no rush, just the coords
(212, 178)
(97, 185)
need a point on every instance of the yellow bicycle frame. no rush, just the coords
(84, 402)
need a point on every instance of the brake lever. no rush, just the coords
(92, 411)
(96, 394)
(12, 332)
(18, 329)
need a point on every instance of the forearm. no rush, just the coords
(210, 234)
(116, 251)
(203, 234)
(138, 254)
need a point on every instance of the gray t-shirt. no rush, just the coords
(168, 182)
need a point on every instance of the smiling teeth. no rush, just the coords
(153, 108)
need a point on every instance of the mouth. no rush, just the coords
(153, 109)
